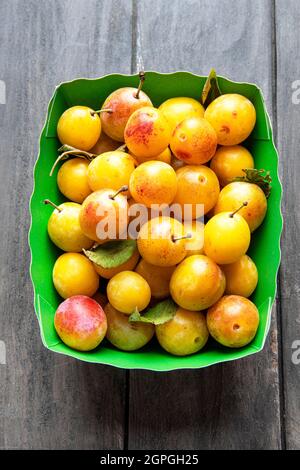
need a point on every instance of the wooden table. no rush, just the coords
(51, 401)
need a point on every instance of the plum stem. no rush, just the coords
(47, 201)
(142, 79)
(121, 190)
(123, 148)
(99, 111)
(183, 237)
(237, 210)
(72, 152)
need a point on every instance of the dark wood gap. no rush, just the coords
(126, 409)
(279, 311)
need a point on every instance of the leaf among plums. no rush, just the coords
(67, 150)
(260, 177)
(112, 254)
(157, 315)
(211, 89)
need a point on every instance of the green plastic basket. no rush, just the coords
(265, 244)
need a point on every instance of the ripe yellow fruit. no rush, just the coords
(79, 127)
(125, 335)
(73, 274)
(197, 190)
(229, 162)
(101, 210)
(161, 242)
(64, 228)
(197, 283)
(194, 141)
(186, 333)
(122, 102)
(233, 321)
(147, 132)
(226, 237)
(153, 182)
(110, 170)
(180, 108)
(127, 291)
(233, 117)
(72, 179)
(241, 277)
(234, 194)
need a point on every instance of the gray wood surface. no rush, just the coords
(50, 401)
(223, 406)
(47, 400)
(288, 111)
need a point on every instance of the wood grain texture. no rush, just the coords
(234, 405)
(50, 401)
(288, 45)
(47, 400)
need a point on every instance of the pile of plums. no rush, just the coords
(179, 278)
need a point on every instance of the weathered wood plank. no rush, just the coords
(235, 405)
(288, 105)
(47, 400)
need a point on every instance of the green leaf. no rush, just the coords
(157, 315)
(211, 89)
(260, 177)
(112, 254)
